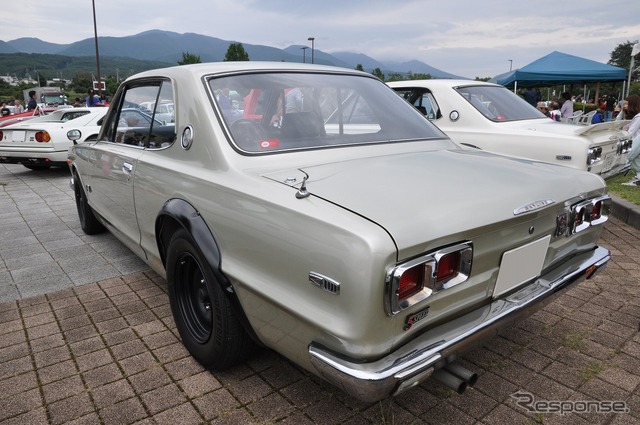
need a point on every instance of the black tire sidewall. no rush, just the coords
(211, 353)
(88, 221)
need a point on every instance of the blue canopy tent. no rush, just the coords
(560, 68)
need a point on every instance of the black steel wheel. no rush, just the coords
(204, 317)
(193, 299)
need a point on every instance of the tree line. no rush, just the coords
(48, 67)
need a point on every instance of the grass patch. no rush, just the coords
(591, 371)
(3, 184)
(494, 364)
(538, 418)
(574, 341)
(630, 193)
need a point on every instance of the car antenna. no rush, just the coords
(303, 192)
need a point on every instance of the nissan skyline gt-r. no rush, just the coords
(43, 141)
(493, 118)
(330, 222)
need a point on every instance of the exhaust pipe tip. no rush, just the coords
(462, 372)
(450, 380)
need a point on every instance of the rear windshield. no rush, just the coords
(266, 112)
(499, 103)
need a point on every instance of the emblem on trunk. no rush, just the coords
(414, 318)
(324, 282)
(536, 205)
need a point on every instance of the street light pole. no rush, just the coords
(510, 64)
(95, 34)
(304, 54)
(311, 39)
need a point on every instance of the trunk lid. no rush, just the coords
(423, 196)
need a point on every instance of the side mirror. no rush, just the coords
(74, 136)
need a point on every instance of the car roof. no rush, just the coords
(202, 69)
(441, 82)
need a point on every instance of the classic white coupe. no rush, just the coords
(493, 118)
(323, 217)
(42, 142)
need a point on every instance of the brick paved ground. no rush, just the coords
(72, 351)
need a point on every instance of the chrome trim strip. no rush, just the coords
(381, 378)
(536, 205)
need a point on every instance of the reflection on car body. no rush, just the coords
(346, 233)
(490, 117)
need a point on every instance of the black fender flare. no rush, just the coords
(183, 213)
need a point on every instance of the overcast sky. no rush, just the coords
(464, 37)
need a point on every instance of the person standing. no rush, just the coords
(633, 113)
(17, 107)
(566, 110)
(92, 99)
(531, 96)
(609, 106)
(622, 115)
(33, 103)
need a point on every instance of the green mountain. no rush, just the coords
(156, 49)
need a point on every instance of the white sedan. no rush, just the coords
(42, 142)
(493, 118)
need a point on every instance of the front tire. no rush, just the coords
(209, 329)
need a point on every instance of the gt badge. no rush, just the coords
(414, 318)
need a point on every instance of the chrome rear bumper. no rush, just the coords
(417, 360)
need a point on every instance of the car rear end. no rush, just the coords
(31, 146)
(608, 147)
(495, 254)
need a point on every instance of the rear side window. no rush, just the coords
(499, 103)
(423, 100)
(73, 115)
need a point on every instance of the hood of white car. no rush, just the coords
(441, 192)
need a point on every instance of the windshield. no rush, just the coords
(50, 99)
(499, 104)
(266, 112)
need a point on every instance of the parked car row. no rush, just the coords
(490, 117)
(328, 220)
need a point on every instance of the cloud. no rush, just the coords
(459, 36)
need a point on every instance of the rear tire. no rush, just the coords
(88, 221)
(209, 328)
(36, 167)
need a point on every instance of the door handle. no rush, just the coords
(127, 169)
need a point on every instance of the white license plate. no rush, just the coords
(520, 265)
(609, 161)
(17, 136)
